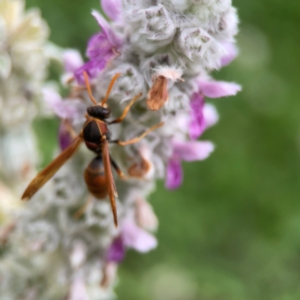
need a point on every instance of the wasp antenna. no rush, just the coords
(112, 82)
(88, 86)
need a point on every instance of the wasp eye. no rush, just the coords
(98, 112)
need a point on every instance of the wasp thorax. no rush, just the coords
(98, 112)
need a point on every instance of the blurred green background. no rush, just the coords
(232, 231)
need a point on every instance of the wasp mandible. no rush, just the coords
(96, 135)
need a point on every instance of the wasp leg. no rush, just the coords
(125, 111)
(138, 138)
(117, 168)
(83, 209)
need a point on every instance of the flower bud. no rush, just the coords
(199, 46)
(155, 28)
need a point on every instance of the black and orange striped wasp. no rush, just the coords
(96, 135)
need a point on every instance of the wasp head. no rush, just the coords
(98, 112)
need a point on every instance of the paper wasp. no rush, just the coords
(96, 135)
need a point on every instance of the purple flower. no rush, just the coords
(187, 151)
(107, 30)
(65, 109)
(112, 8)
(217, 89)
(174, 173)
(137, 238)
(65, 137)
(197, 123)
(212, 89)
(69, 110)
(202, 116)
(116, 251)
(194, 150)
(72, 60)
(102, 47)
(131, 236)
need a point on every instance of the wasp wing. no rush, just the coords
(51, 169)
(111, 186)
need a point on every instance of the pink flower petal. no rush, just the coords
(112, 8)
(65, 109)
(146, 217)
(78, 290)
(210, 115)
(231, 53)
(54, 102)
(137, 238)
(174, 175)
(72, 60)
(217, 89)
(193, 150)
(78, 254)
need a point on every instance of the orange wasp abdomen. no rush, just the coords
(95, 179)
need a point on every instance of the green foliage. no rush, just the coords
(232, 231)
(46, 131)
